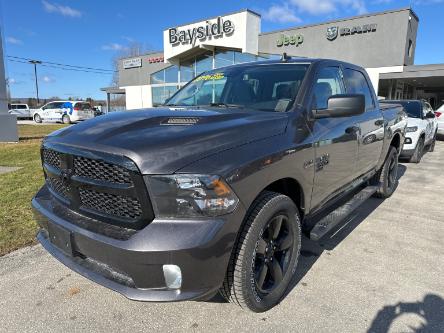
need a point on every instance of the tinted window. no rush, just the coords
(59, 105)
(267, 88)
(412, 108)
(19, 106)
(48, 106)
(356, 83)
(328, 83)
(83, 106)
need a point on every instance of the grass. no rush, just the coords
(17, 226)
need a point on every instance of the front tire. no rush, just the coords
(387, 177)
(419, 151)
(265, 256)
(432, 145)
(37, 119)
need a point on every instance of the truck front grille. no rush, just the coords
(106, 187)
(100, 170)
(111, 204)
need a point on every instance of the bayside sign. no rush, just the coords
(207, 31)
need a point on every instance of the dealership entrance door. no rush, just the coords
(415, 82)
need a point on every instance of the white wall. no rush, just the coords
(374, 74)
(138, 97)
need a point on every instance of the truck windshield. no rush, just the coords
(271, 87)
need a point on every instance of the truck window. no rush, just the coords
(356, 83)
(328, 83)
(271, 87)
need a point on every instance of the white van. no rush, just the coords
(64, 111)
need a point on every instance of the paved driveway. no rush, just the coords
(383, 271)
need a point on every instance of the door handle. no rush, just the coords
(352, 130)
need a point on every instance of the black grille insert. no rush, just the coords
(111, 204)
(52, 158)
(100, 170)
(57, 186)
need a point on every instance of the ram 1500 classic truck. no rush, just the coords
(212, 191)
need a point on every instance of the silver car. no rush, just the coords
(20, 110)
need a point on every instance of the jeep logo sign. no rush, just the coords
(295, 40)
(207, 31)
(332, 32)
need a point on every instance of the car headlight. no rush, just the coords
(411, 129)
(184, 195)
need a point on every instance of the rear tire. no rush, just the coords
(66, 119)
(37, 119)
(387, 177)
(419, 151)
(265, 256)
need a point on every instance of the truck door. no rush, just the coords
(335, 139)
(371, 122)
(430, 128)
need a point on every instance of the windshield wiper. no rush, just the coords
(226, 105)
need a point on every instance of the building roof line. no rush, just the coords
(342, 20)
(215, 17)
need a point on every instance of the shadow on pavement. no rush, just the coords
(431, 310)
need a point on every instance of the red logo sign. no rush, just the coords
(155, 59)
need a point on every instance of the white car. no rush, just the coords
(440, 117)
(20, 110)
(64, 111)
(421, 128)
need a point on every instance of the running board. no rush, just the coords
(330, 221)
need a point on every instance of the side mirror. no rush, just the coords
(430, 115)
(345, 105)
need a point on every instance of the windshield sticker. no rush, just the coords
(209, 77)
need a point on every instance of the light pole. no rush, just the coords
(35, 62)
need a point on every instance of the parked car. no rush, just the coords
(20, 110)
(440, 118)
(212, 191)
(421, 129)
(64, 111)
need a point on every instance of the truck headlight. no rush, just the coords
(411, 129)
(184, 195)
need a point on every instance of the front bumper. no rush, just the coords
(133, 265)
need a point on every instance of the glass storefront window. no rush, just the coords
(171, 74)
(240, 58)
(157, 94)
(223, 58)
(204, 63)
(187, 71)
(158, 77)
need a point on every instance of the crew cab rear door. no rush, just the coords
(335, 139)
(371, 122)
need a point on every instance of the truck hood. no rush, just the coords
(164, 140)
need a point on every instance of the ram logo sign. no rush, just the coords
(332, 33)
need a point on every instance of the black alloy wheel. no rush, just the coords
(273, 251)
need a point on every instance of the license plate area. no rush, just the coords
(60, 238)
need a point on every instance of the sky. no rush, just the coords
(91, 33)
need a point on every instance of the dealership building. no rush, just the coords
(383, 43)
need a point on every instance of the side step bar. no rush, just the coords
(330, 221)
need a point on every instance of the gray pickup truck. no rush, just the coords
(212, 191)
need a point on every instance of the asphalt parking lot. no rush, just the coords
(382, 272)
